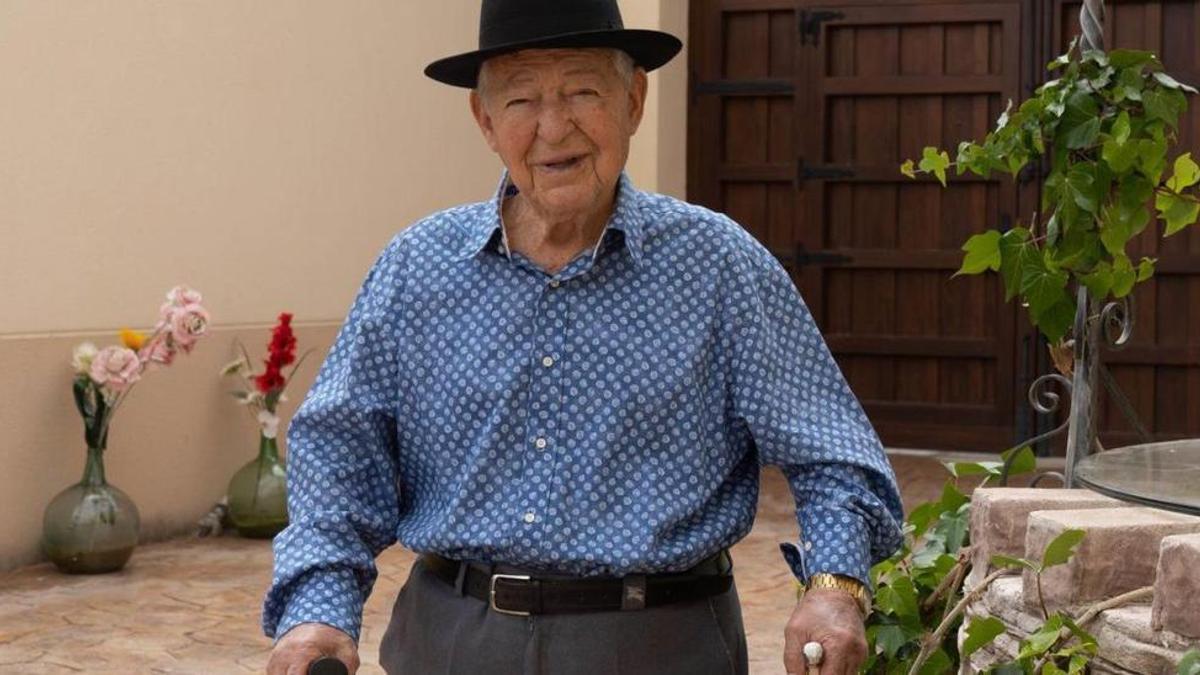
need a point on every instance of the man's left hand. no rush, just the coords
(832, 618)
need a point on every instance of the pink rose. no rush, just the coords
(158, 350)
(180, 296)
(115, 367)
(187, 324)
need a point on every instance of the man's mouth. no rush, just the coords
(563, 163)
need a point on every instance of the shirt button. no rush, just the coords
(808, 546)
(547, 361)
(540, 442)
(554, 283)
(529, 516)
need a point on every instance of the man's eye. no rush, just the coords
(516, 101)
(587, 92)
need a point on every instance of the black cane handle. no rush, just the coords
(327, 665)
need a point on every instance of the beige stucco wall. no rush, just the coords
(261, 152)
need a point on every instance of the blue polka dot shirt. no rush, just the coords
(609, 418)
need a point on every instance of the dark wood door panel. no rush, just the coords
(800, 114)
(883, 81)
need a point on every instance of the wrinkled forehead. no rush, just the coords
(539, 63)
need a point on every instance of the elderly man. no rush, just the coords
(562, 399)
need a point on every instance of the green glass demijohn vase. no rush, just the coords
(91, 527)
(258, 493)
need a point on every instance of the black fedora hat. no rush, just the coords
(511, 25)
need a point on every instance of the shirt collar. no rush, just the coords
(626, 218)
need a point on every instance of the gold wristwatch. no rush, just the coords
(853, 587)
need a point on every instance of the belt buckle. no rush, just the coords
(492, 593)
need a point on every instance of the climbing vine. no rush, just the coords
(1104, 126)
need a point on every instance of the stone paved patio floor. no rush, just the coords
(192, 605)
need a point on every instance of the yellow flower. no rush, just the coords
(132, 339)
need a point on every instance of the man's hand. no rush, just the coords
(307, 642)
(832, 618)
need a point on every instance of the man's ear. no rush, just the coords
(483, 119)
(638, 88)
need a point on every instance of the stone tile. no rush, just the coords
(1118, 554)
(1177, 585)
(999, 517)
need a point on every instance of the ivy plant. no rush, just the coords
(1104, 127)
(919, 602)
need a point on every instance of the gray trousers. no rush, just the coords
(436, 629)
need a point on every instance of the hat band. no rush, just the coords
(529, 28)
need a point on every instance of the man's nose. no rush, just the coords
(556, 121)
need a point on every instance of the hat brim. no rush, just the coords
(650, 49)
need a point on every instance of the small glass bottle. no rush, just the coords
(258, 493)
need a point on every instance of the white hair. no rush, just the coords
(621, 60)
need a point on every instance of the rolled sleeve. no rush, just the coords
(343, 503)
(804, 419)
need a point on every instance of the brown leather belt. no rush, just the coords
(525, 594)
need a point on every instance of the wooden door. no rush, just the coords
(801, 115)
(1160, 372)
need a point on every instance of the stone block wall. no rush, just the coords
(1126, 548)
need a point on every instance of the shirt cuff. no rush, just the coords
(323, 596)
(833, 541)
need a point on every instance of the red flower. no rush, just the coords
(280, 352)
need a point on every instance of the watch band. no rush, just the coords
(849, 585)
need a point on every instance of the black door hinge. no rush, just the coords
(801, 258)
(805, 172)
(809, 23)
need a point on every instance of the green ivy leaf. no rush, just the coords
(1178, 212)
(1124, 276)
(1116, 231)
(1039, 642)
(1130, 84)
(1186, 174)
(1121, 128)
(1055, 321)
(1190, 663)
(1060, 550)
(939, 663)
(1120, 156)
(1023, 462)
(1130, 58)
(1145, 269)
(980, 632)
(983, 253)
(1083, 188)
(1099, 281)
(1042, 286)
(889, 638)
(1171, 83)
(907, 169)
(935, 162)
(1013, 245)
(1164, 104)
(1152, 159)
(1081, 121)
(952, 529)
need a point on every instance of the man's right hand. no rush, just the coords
(307, 642)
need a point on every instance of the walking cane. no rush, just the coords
(327, 665)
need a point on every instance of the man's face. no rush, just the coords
(561, 120)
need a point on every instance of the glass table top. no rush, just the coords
(1162, 475)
